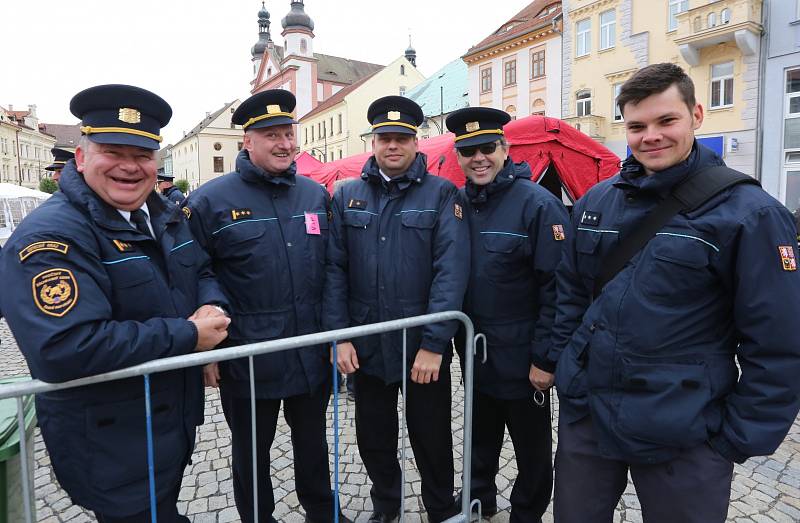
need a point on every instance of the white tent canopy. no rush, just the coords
(16, 202)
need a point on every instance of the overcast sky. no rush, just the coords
(196, 54)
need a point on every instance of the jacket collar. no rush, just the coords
(505, 178)
(75, 189)
(250, 172)
(634, 179)
(415, 174)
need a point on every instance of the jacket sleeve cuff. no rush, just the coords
(539, 351)
(726, 449)
(186, 337)
(434, 345)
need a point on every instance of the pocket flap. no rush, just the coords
(687, 252)
(586, 242)
(419, 219)
(357, 218)
(504, 243)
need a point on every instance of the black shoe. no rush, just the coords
(487, 510)
(382, 517)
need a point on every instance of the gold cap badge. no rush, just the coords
(129, 115)
(273, 109)
(473, 126)
(393, 115)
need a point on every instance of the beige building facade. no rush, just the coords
(335, 129)
(518, 67)
(717, 43)
(24, 148)
(210, 149)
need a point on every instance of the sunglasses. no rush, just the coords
(484, 148)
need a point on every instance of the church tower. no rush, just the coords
(264, 39)
(298, 32)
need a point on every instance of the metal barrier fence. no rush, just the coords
(20, 389)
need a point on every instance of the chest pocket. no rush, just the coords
(134, 290)
(587, 247)
(416, 234)
(505, 254)
(674, 268)
(238, 240)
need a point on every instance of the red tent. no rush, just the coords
(306, 163)
(549, 145)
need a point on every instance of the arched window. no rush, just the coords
(303, 45)
(712, 19)
(725, 16)
(512, 111)
(402, 70)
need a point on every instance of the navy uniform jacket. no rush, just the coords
(516, 232)
(396, 250)
(85, 293)
(653, 358)
(174, 195)
(253, 225)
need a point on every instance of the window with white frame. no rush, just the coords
(509, 73)
(583, 37)
(792, 102)
(537, 64)
(725, 16)
(583, 103)
(675, 8)
(615, 108)
(486, 79)
(721, 85)
(608, 29)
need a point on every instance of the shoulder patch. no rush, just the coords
(187, 211)
(788, 261)
(558, 232)
(241, 214)
(458, 211)
(55, 291)
(35, 247)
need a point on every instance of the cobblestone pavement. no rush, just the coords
(764, 489)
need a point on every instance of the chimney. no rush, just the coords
(10, 107)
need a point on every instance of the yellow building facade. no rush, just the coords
(717, 43)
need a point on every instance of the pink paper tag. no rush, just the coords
(312, 223)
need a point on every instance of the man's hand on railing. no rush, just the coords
(346, 357)
(426, 366)
(211, 375)
(210, 331)
(207, 311)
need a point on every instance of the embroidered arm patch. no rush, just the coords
(35, 247)
(55, 291)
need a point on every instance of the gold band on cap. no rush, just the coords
(477, 133)
(255, 119)
(401, 124)
(59, 162)
(99, 130)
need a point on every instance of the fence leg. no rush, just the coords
(335, 437)
(403, 439)
(151, 469)
(23, 461)
(253, 439)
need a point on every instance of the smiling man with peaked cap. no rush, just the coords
(102, 276)
(265, 228)
(516, 235)
(398, 247)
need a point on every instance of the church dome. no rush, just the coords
(297, 18)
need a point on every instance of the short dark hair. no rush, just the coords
(655, 79)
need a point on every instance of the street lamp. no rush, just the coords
(323, 153)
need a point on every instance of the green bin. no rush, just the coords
(12, 502)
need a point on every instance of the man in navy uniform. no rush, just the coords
(165, 187)
(398, 248)
(105, 275)
(60, 159)
(516, 233)
(647, 364)
(265, 228)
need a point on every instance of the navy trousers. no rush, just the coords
(692, 488)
